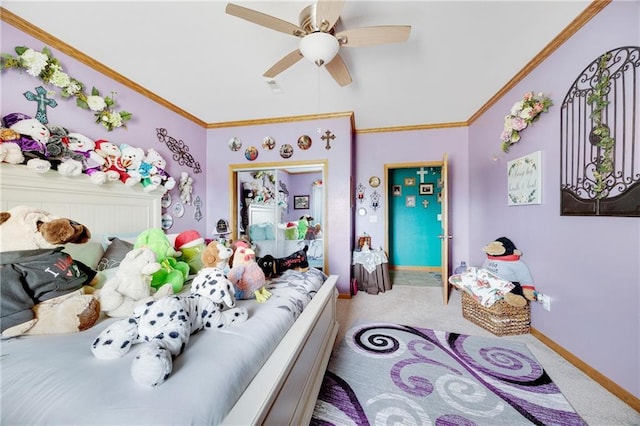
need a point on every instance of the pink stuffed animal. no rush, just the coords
(247, 276)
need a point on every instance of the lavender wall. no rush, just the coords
(300, 184)
(337, 229)
(374, 150)
(590, 266)
(140, 132)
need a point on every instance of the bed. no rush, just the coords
(281, 238)
(55, 379)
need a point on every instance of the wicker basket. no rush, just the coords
(501, 318)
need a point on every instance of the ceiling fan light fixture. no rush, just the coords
(319, 47)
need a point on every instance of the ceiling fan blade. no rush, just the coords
(338, 70)
(264, 20)
(371, 36)
(283, 64)
(328, 11)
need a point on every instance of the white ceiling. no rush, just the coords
(210, 64)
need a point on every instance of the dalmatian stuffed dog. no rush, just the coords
(165, 325)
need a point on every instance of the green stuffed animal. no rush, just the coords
(303, 226)
(172, 270)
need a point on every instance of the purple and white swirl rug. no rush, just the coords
(384, 374)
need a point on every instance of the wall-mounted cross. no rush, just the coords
(425, 203)
(422, 172)
(43, 103)
(328, 137)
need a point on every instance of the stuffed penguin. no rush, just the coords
(503, 260)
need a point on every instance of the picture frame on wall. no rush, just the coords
(524, 180)
(409, 181)
(301, 202)
(410, 201)
(397, 190)
(426, 189)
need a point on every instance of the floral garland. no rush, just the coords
(598, 100)
(523, 113)
(47, 68)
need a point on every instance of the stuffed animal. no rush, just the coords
(159, 178)
(131, 285)
(165, 335)
(33, 140)
(191, 244)
(503, 260)
(247, 276)
(91, 161)
(303, 226)
(273, 267)
(113, 165)
(217, 255)
(62, 159)
(43, 291)
(172, 271)
(10, 151)
(132, 158)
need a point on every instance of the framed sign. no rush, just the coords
(524, 180)
(300, 202)
(410, 201)
(426, 189)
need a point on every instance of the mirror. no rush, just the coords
(281, 208)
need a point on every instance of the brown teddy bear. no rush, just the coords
(43, 289)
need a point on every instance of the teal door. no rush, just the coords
(414, 217)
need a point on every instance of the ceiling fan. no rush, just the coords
(318, 40)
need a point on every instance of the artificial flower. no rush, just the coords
(47, 68)
(96, 103)
(34, 62)
(60, 79)
(523, 113)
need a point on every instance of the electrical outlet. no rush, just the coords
(545, 300)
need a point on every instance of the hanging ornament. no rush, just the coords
(375, 200)
(360, 193)
(268, 143)
(197, 203)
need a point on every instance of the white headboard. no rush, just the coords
(104, 209)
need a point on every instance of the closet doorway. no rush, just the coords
(417, 236)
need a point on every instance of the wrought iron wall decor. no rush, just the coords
(180, 150)
(600, 138)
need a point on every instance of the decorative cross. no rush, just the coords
(328, 137)
(425, 203)
(422, 172)
(43, 103)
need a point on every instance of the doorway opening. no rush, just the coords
(416, 234)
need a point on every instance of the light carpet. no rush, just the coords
(384, 373)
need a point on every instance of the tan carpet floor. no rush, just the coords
(411, 303)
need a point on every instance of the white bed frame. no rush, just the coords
(285, 389)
